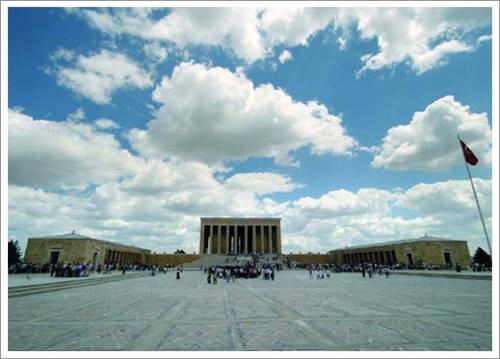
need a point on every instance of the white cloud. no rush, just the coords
(260, 183)
(52, 154)
(371, 215)
(99, 75)
(62, 54)
(421, 36)
(429, 141)
(483, 38)
(106, 123)
(154, 52)
(76, 116)
(285, 56)
(448, 196)
(159, 206)
(212, 115)
(406, 34)
(436, 57)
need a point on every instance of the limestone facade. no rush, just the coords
(76, 248)
(425, 250)
(240, 235)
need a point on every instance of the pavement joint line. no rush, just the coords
(233, 305)
(312, 334)
(233, 328)
(162, 326)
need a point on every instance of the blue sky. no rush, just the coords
(337, 171)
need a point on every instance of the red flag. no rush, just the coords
(469, 156)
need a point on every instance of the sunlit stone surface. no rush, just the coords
(346, 312)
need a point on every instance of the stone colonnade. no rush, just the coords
(240, 235)
(379, 257)
(122, 257)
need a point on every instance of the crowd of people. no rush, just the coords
(366, 269)
(82, 269)
(229, 273)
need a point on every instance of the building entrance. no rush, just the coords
(54, 257)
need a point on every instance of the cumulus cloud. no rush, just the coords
(448, 196)
(159, 203)
(429, 141)
(50, 154)
(285, 56)
(154, 52)
(212, 115)
(106, 124)
(99, 75)
(423, 37)
(260, 183)
(436, 57)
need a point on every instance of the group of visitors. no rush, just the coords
(230, 273)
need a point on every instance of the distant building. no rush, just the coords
(240, 235)
(76, 248)
(416, 252)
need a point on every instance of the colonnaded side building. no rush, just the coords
(425, 250)
(76, 248)
(240, 235)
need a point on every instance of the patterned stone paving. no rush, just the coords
(294, 312)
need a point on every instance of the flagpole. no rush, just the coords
(477, 201)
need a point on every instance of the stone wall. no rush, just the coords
(80, 251)
(313, 258)
(423, 252)
(38, 251)
(170, 259)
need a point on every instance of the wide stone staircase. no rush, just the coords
(209, 260)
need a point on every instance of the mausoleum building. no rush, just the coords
(240, 235)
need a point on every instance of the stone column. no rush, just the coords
(254, 239)
(202, 236)
(270, 239)
(211, 240)
(227, 239)
(219, 250)
(262, 239)
(278, 239)
(235, 239)
(245, 240)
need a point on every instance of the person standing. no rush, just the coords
(178, 275)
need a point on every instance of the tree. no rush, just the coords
(14, 252)
(179, 251)
(481, 257)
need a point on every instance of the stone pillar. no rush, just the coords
(227, 239)
(211, 240)
(254, 239)
(202, 236)
(245, 240)
(235, 239)
(262, 239)
(278, 239)
(270, 228)
(219, 249)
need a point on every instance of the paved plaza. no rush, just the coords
(294, 312)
